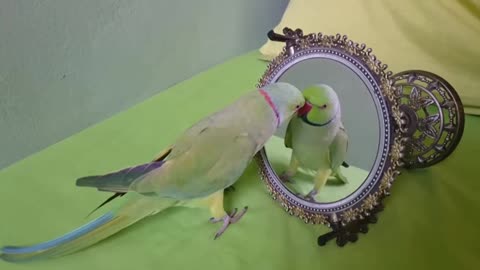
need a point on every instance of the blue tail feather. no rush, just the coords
(6, 251)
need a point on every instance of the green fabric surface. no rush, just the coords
(431, 220)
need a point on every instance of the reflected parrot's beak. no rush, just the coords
(305, 109)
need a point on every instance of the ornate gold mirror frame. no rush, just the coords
(421, 122)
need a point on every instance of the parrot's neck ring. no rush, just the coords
(305, 119)
(268, 99)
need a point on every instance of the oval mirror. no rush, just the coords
(340, 133)
(334, 161)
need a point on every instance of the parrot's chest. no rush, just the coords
(311, 144)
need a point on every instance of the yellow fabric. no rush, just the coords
(441, 36)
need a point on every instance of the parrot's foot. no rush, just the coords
(341, 177)
(287, 177)
(227, 220)
(311, 196)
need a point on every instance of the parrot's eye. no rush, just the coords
(298, 106)
(324, 106)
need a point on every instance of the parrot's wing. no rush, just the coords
(338, 148)
(201, 163)
(119, 181)
(288, 135)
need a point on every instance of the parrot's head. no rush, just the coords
(322, 105)
(284, 99)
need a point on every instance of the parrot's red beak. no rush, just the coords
(305, 109)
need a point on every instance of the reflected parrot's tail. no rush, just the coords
(89, 234)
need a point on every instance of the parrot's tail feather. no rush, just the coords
(118, 194)
(87, 235)
(13, 253)
(118, 181)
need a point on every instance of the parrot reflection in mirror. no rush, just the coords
(318, 139)
(206, 159)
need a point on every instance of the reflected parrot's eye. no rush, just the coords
(298, 106)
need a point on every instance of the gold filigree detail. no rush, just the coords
(385, 187)
(397, 151)
(269, 189)
(284, 202)
(319, 219)
(370, 202)
(398, 116)
(389, 90)
(297, 212)
(387, 178)
(350, 215)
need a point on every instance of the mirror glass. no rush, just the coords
(332, 146)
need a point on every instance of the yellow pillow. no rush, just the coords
(440, 36)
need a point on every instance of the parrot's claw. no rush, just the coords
(235, 218)
(311, 196)
(215, 220)
(227, 220)
(233, 212)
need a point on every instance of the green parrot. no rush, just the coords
(317, 137)
(206, 159)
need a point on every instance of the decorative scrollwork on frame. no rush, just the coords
(435, 117)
